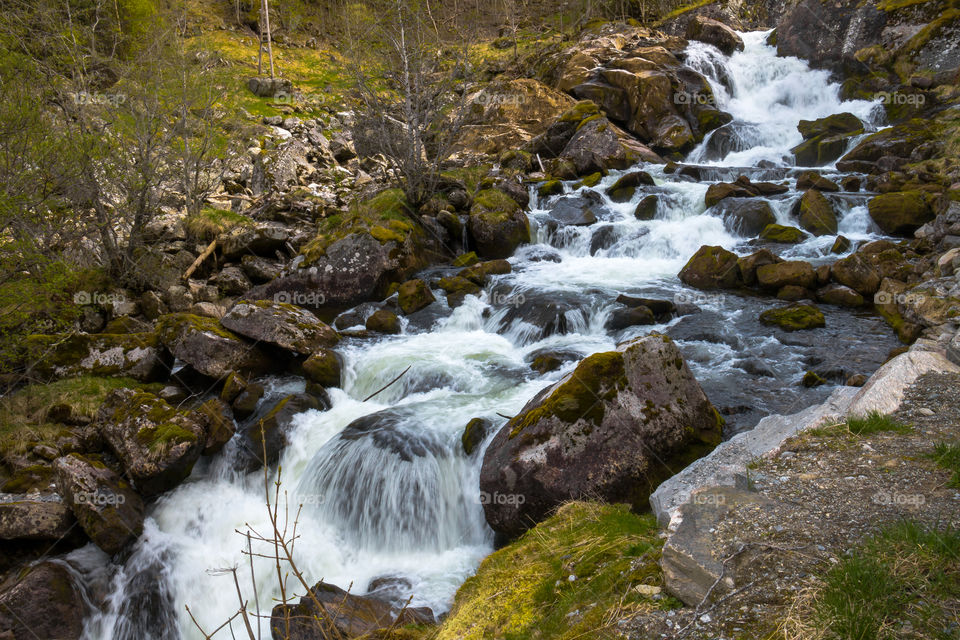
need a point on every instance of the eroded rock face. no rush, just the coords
(284, 325)
(156, 443)
(829, 35)
(106, 506)
(618, 425)
(41, 603)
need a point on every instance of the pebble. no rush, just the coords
(925, 411)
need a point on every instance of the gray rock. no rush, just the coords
(136, 355)
(953, 349)
(231, 281)
(207, 347)
(42, 602)
(263, 239)
(284, 325)
(885, 389)
(43, 517)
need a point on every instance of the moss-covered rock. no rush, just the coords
(267, 437)
(497, 224)
(135, 355)
(901, 212)
(209, 348)
(106, 506)
(324, 368)
(606, 430)
(156, 443)
(516, 159)
(216, 418)
(623, 189)
(795, 317)
(414, 295)
(550, 188)
(466, 260)
(856, 272)
(813, 180)
(816, 213)
(42, 601)
(474, 434)
(748, 265)
(841, 245)
(282, 324)
(782, 234)
(781, 274)
(591, 180)
(647, 208)
(35, 519)
(711, 268)
(840, 295)
(383, 321)
(481, 272)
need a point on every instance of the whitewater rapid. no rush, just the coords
(395, 495)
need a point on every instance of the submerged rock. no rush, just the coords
(614, 428)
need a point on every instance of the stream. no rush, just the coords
(385, 487)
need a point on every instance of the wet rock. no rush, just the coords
(746, 216)
(711, 268)
(850, 183)
(481, 272)
(900, 213)
(474, 434)
(748, 265)
(813, 180)
(575, 211)
(796, 317)
(623, 189)
(267, 437)
(107, 508)
(565, 445)
(284, 325)
(383, 321)
(816, 213)
(782, 234)
(324, 368)
(780, 274)
(841, 245)
(38, 517)
(646, 208)
(207, 347)
(216, 418)
(497, 224)
(41, 602)
(135, 355)
(794, 293)
(840, 295)
(550, 188)
(156, 443)
(714, 32)
(856, 272)
(659, 307)
(245, 404)
(623, 318)
(349, 616)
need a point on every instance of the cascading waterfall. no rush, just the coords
(385, 486)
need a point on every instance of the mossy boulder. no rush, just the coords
(825, 139)
(900, 212)
(838, 123)
(613, 429)
(106, 506)
(281, 324)
(265, 439)
(840, 295)
(42, 601)
(795, 317)
(748, 265)
(458, 288)
(474, 434)
(209, 348)
(466, 260)
(813, 180)
(711, 268)
(596, 146)
(856, 272)
(746, 217)
(782, 234)
(156, 443)
(626, 185)
(781, 274)
(216, 418)
(591, 180)
(414, 295)
(383, 321)
(550, 188)
(816, 213)
(647, 208)
(324, 368)
(497, 224)
(44, 517)
(841, 245)
(481, 272)
(135, 355)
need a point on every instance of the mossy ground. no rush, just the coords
(210, 223)
(572, 576)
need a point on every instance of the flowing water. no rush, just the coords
(385, 488)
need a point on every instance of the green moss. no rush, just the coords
(597, 379)
(783, 234)
(170, 326)
(210, 223)
(591, 180)
(496, 202)
(466, 260)
(164, 434)
(525, 589)
(550, 188)
(580, 111)
(795, 317)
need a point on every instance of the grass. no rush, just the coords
(873, 422)
(904, 582)
(947, 456)
(572, 576)
(24, 413)
(210, 223)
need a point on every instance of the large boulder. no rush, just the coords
(41, 602)
(106, 506)
(711, 268)
(497, 224)
(37, 517)
(156, 443)
(343, 615)
(746, 216)
(613, 429)
(284, 325)
(794, 317)
(900, 212)
(263, 239)
(826, 139)
(413, 296)
(596, 147)
(815, 214)
(789, 273)
(856, 272)
(208, 347)
(829, 35)
(134, 355)
(714, 32)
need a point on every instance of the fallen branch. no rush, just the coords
(386, 386)
(203, 256)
